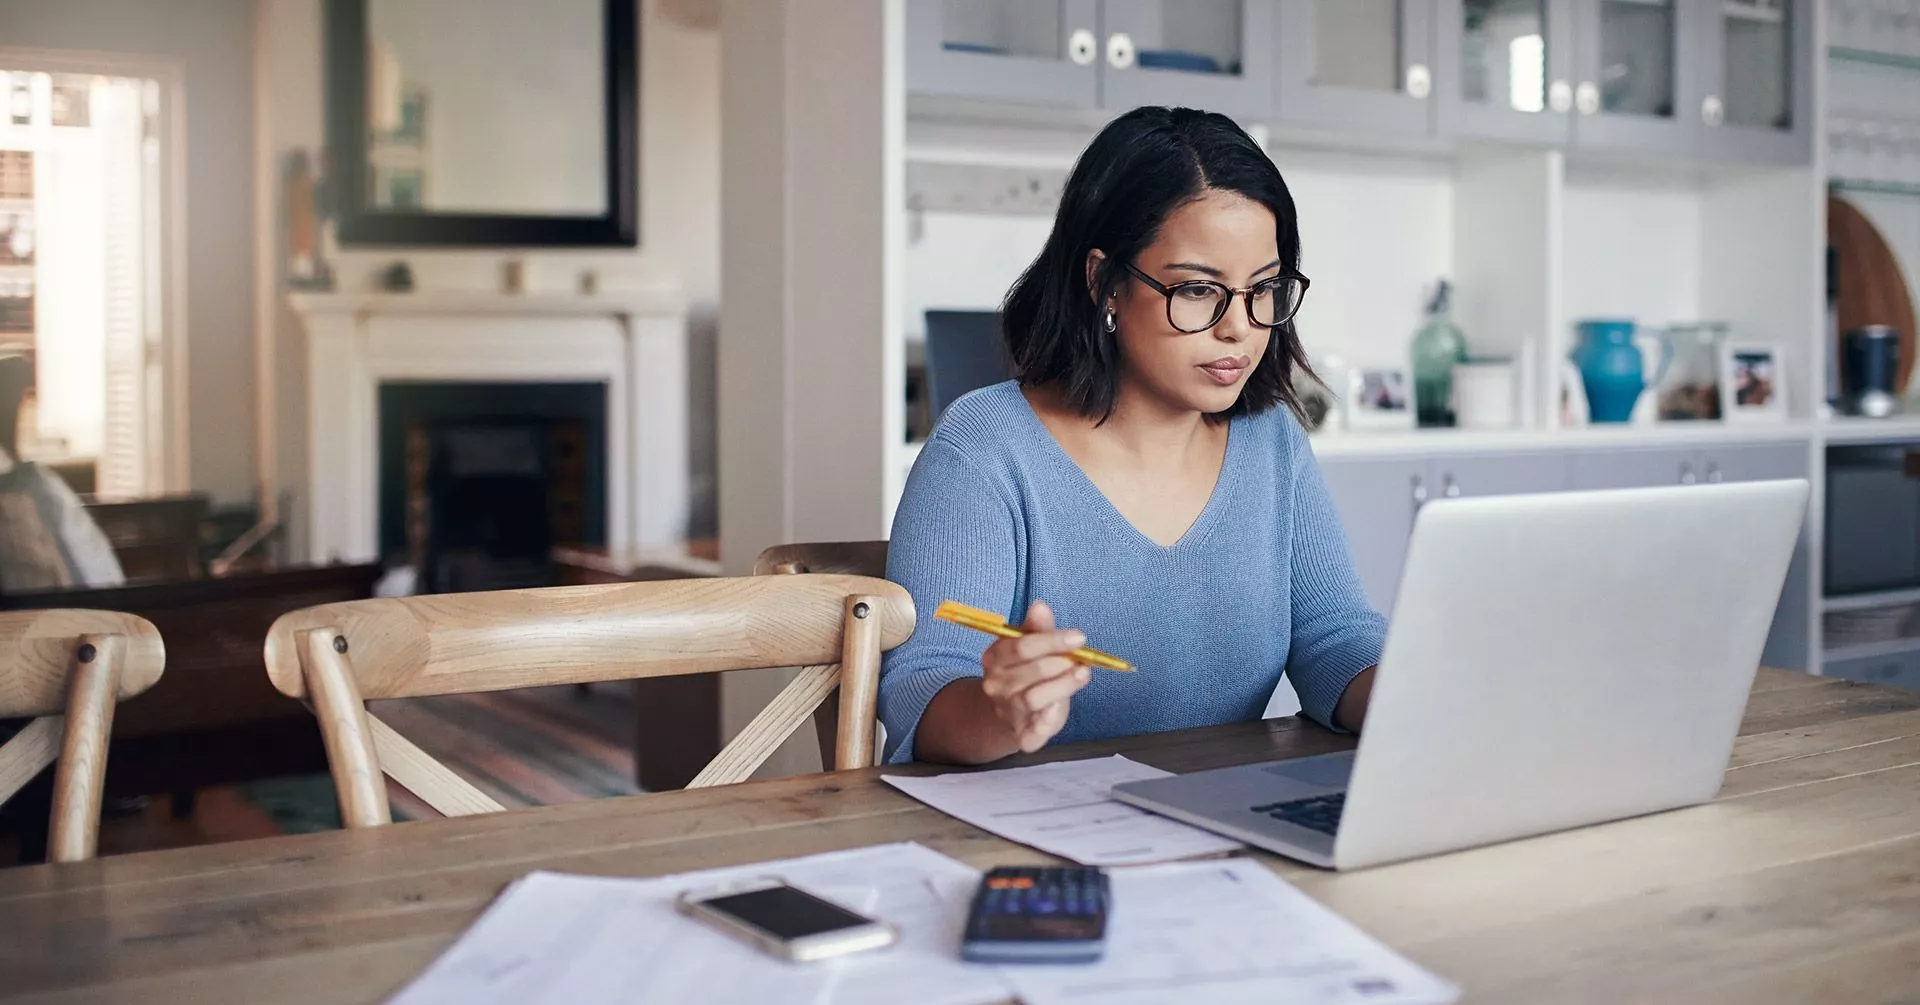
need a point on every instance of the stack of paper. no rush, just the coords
(579, 940)
(1227, 932)
(1063, 809)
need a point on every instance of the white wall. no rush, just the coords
(1375, 235)
(213, 41)
(1633, 248)
(679, 213)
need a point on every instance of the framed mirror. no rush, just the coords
(484, 122)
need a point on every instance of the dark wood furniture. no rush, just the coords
(155, 538)
(1795, 885)
(214, 719)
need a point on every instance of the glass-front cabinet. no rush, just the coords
(1359, 65)
(1212, 54)
(1757, 61)
(1505, 68)
(1637, 78)
(1042, 52)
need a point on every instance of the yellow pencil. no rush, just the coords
(993, 624)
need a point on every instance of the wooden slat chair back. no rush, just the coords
(850, 558)
(67, 669)
(338, 656)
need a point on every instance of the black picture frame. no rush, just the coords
(359, 224)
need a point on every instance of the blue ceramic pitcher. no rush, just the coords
(1612, 369)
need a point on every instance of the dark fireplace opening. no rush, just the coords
(480, 481)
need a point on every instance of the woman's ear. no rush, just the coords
(1095, 259)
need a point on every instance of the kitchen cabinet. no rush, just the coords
(1041, 52)
(1212, 54)
(1757, 61)
(1638, 75)
(1504, 69)
(1896, 669)
(1115, 54)
(1363, 66)
(1378, 500)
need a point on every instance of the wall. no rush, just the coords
(1374, 236)
(213, 42)
(679, 214)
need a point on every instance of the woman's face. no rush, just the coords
(1222, 236)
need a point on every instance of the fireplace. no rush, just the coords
(479, 481)
(628, 344)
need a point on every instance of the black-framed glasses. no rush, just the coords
(1195, 305)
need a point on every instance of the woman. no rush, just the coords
(1144, 479)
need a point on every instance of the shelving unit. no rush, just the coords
(1579, 209)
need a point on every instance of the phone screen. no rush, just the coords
(785, 912)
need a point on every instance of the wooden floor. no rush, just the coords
(533, 747)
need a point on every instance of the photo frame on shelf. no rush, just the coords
(1753, 384)
(1378, 397)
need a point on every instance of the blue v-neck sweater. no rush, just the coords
(996, 515)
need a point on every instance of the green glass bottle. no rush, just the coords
(1437, 346)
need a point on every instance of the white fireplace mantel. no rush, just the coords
(633, 341)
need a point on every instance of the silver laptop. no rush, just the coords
(1553, 661)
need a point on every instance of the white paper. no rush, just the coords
(556, 938)
(1063, 809)
(1227, 933)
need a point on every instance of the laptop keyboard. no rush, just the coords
(1319, 813)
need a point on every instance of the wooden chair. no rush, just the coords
(849, 558)
(336, 656)
(82, 663)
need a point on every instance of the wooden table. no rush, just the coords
(1801, 883)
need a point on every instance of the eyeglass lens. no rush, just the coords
(1194, 307)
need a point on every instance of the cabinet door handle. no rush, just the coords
(1586, 98)
(1560, 96)
(1448, 488)
(1687, 476)
(1120, 50)
(1712, 112)
(1081, 47)
(1419, 81)
(1419, 494)
(1713, 474)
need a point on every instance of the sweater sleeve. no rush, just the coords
(1336, 633)
(954, 538)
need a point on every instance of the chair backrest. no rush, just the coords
(964, 352)
(850, 558)
(339, 655)
(67, 669)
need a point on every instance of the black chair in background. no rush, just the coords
(964, 352)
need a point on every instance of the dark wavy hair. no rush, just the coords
(1142, 166)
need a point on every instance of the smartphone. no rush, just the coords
(785, 920)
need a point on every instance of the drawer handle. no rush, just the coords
(1419, 82)
(1712, 112)
(1120, 50)
(1419, 493)
(1687, 477)
(1559, 96)
(1713, 474)
(1080, 47)
(1450, 490)
(1586, 98)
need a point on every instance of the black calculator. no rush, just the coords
(1034, 914)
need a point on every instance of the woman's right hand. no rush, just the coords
(1030, 680)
